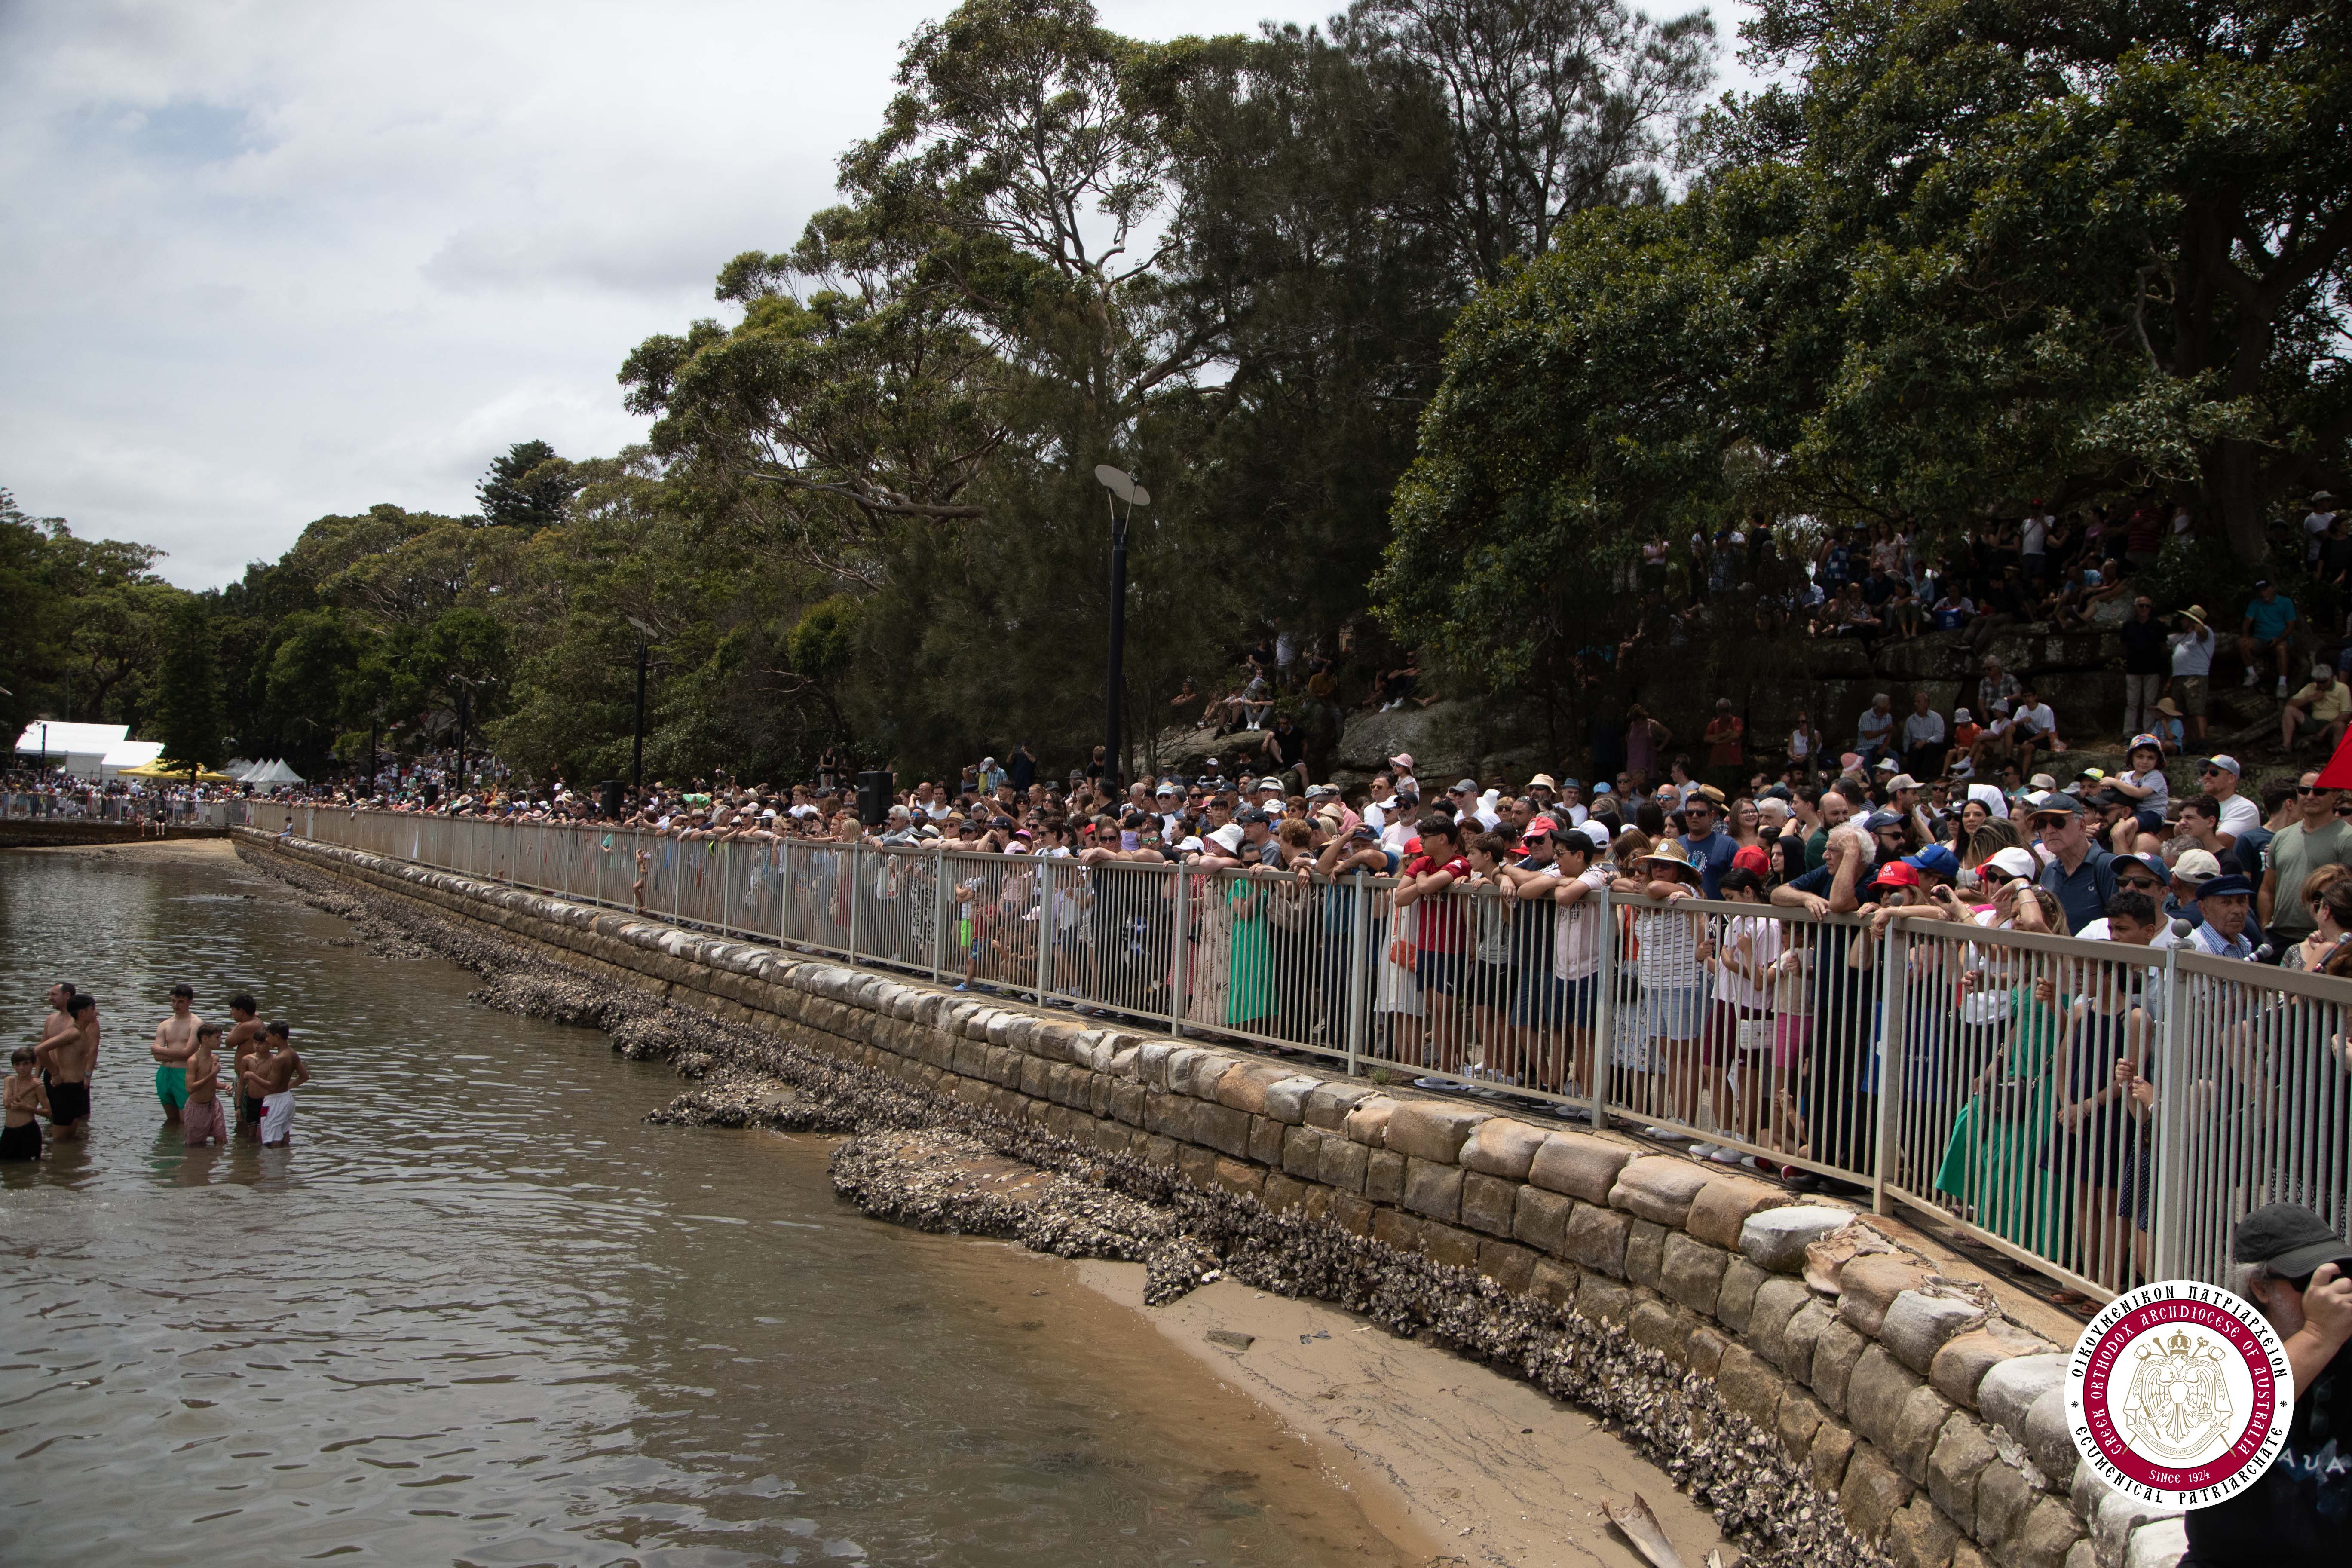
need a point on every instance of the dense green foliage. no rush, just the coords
(1975, 253)
(1437, 313)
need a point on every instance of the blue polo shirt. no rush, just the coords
(2083, 896)
(1713, 855)
(2270, 620)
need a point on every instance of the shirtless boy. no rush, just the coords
(273, 1077)
(175, 1036)
(202, 1119)
(25, 1102)
(66, 1059)
(241, 1045)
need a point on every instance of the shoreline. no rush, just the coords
(1465, 1463)
(1627, 1412)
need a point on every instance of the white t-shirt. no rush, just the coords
(1762, 936)
(2037, 717)
(2192, 652)
(1577, 927)
(2036, 539)
(2240, 815)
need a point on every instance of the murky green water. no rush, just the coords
(479, 1314)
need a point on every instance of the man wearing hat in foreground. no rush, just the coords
(2298, 1273)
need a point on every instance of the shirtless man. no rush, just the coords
(241, 1045)
(26, 1100)
(67, 1057)
(276, 1074)
(175, 1036)
(202, 1119)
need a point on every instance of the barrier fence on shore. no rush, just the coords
(90, 805)
(2098, 1111)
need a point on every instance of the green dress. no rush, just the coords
(1249, 961)
(1993, 1163)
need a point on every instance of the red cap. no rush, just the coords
(1543, 825)
(1752, 858)
(1896, 874)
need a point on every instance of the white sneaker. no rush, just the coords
(1704, 1150)
(2282, 688)
(1728, 1157)
(2252, 677)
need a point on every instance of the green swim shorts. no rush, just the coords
(172, 1086)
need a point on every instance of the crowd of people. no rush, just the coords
(213, 1084)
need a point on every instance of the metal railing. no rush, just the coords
(92, 806)
(2099, 1111)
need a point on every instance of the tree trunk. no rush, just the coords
(2233, 488)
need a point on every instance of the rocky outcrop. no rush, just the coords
(1831, 1394)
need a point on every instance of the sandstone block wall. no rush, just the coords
(1935, 1425)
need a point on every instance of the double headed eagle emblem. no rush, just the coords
(2178, 1405)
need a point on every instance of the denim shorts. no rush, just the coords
(1675, 1013)
(1548, 1002)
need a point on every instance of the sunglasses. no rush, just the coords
(2138, 884)
(2209, 772)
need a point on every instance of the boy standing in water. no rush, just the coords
(242, 1044)
(67, 1053)
(275, 1076)
(25, 1102)
(202, 1119)
(175, 1036)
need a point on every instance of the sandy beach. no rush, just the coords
(1461, 1461)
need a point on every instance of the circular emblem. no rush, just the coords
(2179, 1394)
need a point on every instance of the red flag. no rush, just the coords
(2338, 774)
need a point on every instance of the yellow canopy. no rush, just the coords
(161, 769)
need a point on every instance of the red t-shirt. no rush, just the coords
(1723, 741)
(1440, 930)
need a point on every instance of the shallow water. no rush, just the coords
(480, 1313)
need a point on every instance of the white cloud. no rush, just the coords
(274, 260)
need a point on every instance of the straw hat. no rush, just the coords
(1669, 852)
(2195, 613)
(2166, 706)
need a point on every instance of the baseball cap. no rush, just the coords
(1901, 780)
(2055, 803)
(1544, 825)
(2289, 1240)
(2042, 780)
(1886, 765)
(2151, 864)
(1601, 789)
(1936, 860)
(2322, 672)
(1879, 819)
(1752, 857)
(2197, 866)
(1247, 815)
(2148, 740)
(2014, 861)
(1363, 830)
(2223, 761)
(1896, 874)
(1597, 834)
(1466, 786)
(1166, 789)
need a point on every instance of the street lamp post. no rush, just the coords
(637, 741)
(1122, 487)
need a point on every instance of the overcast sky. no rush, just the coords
(269, 261)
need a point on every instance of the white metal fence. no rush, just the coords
(2099, 1111)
